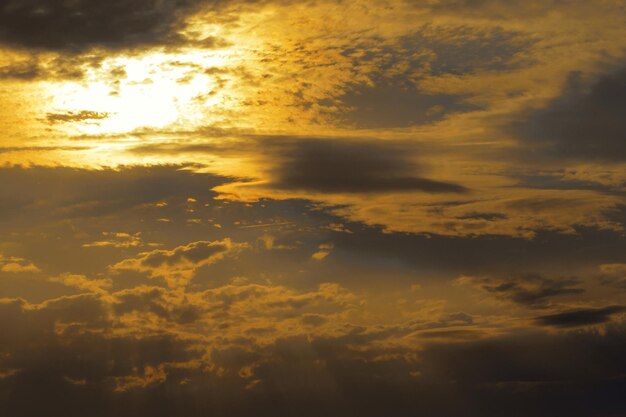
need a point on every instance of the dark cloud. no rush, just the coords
(392, 97)
(194, 252)
(581, 317)
(58, 68)
(483, 255)
(79, 24)
(613, 275)
(328, 165)
(70, 219)
(260, 334)
(154, 300)
(468, 50)
(529, 290)
(72, 371)
(535, 374)
(313, 319)
(352, 167)
(36, 193)
(586, 122)
(81, 116)
(7, 149)
(483, 216)
(168, 149)
(397, 103)
(502, 9)
(20, 71)
(82, 221)
(556, 181)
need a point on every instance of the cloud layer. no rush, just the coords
(355, 208)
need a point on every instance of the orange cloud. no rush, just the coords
(179, 265)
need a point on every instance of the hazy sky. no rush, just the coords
(313, 208)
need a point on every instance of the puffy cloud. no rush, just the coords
(17, 268)
(251, 344)
(12, 264)
(178, 265)
(327, 374)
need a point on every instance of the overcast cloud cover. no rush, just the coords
(341, 208)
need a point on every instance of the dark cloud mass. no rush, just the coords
(353, 167)
(20, 71)
(329, 165)
(582, 317)
(586, 122)
(398, 104)
(393, 97)
(73, 370)
(67, 192)
(79, 24)
(529, 290)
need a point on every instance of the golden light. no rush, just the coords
(153, 91)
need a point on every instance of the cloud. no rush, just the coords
(75, 25)
(530, 290)
(481, 256)
(277, 350)
(325, 164)
(377, 180)
(27, 70)
(586, 122)
(33, 66)
(119, 240)
(617, 269)
(614, 275)
(393, 94)
(253, 304)
(179, 265)
(323, 251)
(313, 319)
(501, 10)
(43, 149)
(83, 283)
(71, 117)
(581, 317)
(144, 301)
(330, 314)
(397, 103)
(15, 265)
(39, 194)
(352, 167)
(149, 376)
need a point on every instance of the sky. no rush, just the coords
(302, 208)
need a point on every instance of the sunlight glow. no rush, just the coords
(156, 90)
